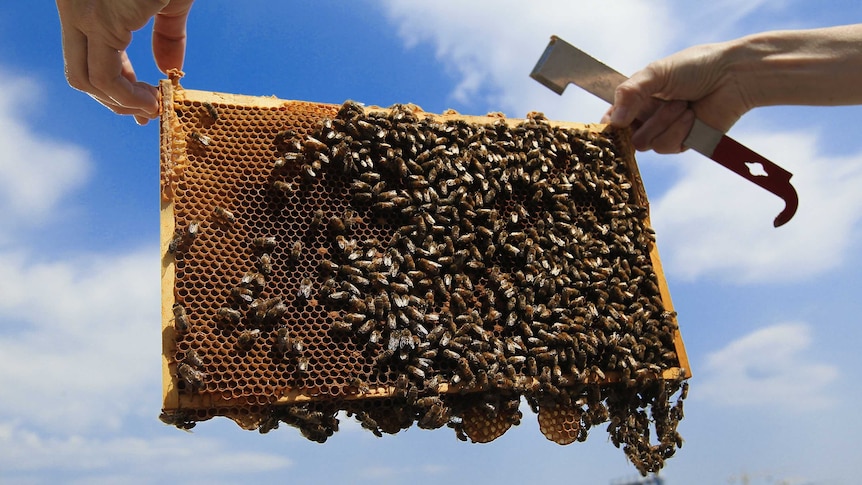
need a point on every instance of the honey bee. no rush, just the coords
(355, 318)
(337, 296)
(359, 281)
(193, 378)
(316, 219)
(348, 218)
(308, 173)
(435, 416)
(459, 306)
(327, 267)
(356, 304)
(181, 321)
(402, 385)
(360, 385)
(193, 229)
(283, 136)
(596, 371)
(228, 315)
(369, 423)
(304, 292)
(247, 338)
(296, 346)
(193, 358)
(254, 281)
(302, 365)
(295, 251)
(201, 139)
(224, 215)
(342, 326)
(184, 238)
(465, 371)
(350, 288)
(282, 340)
(179, 419)
(276, 311)
(313, 144)
(175, 242)
(264, 243)
(264, 264)
(211, 110)
(428, 266)
(365, 328)
(416, 372)
(242, 295)
(285, 189)
(257, 310)
(337, 226)
(375, 337)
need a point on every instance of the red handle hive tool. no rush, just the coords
(563, 63)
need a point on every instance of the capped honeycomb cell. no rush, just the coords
(410, 269)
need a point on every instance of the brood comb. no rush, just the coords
(410, 268)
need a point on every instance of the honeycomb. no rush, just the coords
(560, 424)
(410, 269)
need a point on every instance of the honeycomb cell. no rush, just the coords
(466, 256)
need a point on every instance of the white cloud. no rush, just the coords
(142, 460)
(491, 46)
(768, 368)
(78, 334)
(35, 172)
(712, 222)
(387, 473)
(81, 356)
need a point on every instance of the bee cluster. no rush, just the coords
(415, 271)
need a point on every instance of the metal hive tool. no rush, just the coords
(410, 268)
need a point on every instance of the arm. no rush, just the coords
(95, 35)
(720, 82)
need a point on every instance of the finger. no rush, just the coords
(657, 123)
(627, 105)
(121, 110)
(77, 72)
(169, 35)
(127, 70)
(671, 140)
(606, 118)
(75, 60)
(108, 75)
(633, 98)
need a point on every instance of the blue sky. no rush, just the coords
(770, 317)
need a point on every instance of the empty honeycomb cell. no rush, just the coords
(508, 256)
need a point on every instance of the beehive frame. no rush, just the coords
(225, 147)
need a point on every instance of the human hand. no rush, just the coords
(667, 95)
(95, 35)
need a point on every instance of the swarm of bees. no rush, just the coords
(507, 263)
